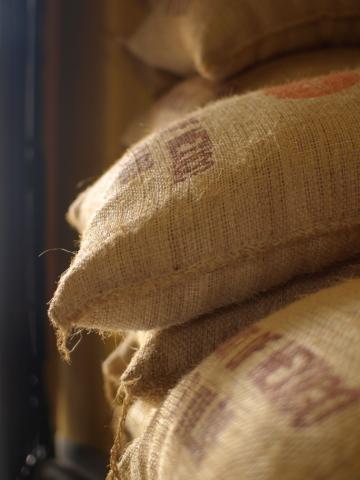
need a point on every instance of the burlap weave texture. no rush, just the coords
(279, 400)
(262, 187)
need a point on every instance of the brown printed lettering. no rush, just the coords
(191, 150)
(302, 385)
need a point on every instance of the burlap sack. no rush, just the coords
(239, 197)
(218, 38)
(280, 400)
(196, 92)
(143, 375)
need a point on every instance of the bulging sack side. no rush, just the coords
(237, 198)
(281, 399)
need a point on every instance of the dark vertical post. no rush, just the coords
(23, 416)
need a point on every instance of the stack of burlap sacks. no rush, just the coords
(225, 246)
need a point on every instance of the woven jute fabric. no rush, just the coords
(280, 400)
(196, 92)
(164, 356)
(218, 38)
(237, 198)
(148, 364)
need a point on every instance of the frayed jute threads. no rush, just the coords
(209, 266)
(124, 399)
(66, 340)
(63, 334)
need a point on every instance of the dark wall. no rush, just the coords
(22, 411)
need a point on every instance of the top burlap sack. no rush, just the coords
(196, 92)
(239, 197)
(218, 38)
(278, 401)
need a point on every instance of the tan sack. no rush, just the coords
(280, 400)
(190, 94)
(219, 38)
(239, 197)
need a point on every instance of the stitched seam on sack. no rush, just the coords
(336, 280)
(290, 26)
(167, 280)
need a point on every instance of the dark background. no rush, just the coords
(24, 435)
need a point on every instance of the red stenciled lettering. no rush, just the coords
(302, 385)
(139, 161)
(236, 341)
(281, 367)
(191, 150)
(255, 345)
(203, 420)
